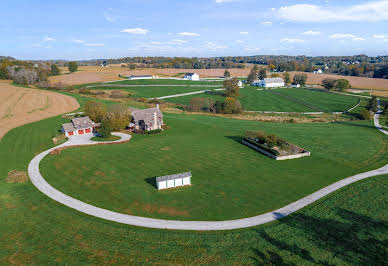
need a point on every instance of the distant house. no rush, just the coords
(79, 126)
(295, 85)
(147, 119)
(240, 83)
(319, 71)
(191, 76)
(141, 77)
(171, 181)
(269, 83)
(104, 64)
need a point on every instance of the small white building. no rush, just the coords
(79, 126)
(269, 83)
(295, 85)
(172, 181)
(141, 77)
(191, 76)
(319, 71)
(240, 83)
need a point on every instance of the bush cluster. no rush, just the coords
(270, 140)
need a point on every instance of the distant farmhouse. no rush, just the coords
(319, 71)
(171, 181)
(240, 83)
(147, 119)
(142, 77)
(79, 126)
(269, 83)
(191, 76)
(104, 64)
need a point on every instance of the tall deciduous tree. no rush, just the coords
(226, 74)
(96, 111)
(231, 87)
(73, 66)
(287, 78)
(262, 73)
(118, 116)
(342, 84)
(54, 70)
(253, 74)
(300, 79)
(328, 83)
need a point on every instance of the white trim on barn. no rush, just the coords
(172, 181)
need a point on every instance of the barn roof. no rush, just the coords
(172, 177)
(190, 74)
(273, 80)
(143, 76)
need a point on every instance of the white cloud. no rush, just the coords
(139, 31)
(213, 46)
(292, 40)
(380, 36)
(369, 11)
(177, 41)
(346, 36)
(311, 32)
(268, 23)
(94, 44)
(48, 39)
(74, 40)
(244, 32)
(189, 34)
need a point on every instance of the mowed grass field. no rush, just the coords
(238, 181)
(166, 82)
(283, 100)
(342, 228)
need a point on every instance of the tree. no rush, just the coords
(226, 74)
(72, 67)
(54, 70)
(366, 115)
(196, 104)
(252, 75)
(105, 129)
(328, 83)
(271, 67)
(118, 116)
(95, 111)
(262, 73)
(342, 84)
(275, 75)
(300, 79)
(231, 87)
(232, 106)
(287, 78)
(132, 66)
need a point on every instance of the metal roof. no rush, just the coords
(172, 177)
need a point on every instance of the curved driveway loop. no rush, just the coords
(45, 188)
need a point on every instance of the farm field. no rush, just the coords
(209, 147)
(154, 91)
(284, 100)
(166, 82)
(71, 237)
(19, 105)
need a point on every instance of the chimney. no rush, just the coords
(155, 121)
(157, 106)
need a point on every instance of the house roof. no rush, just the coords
(82, 122)
(147, 115)
(274, 80)
(172, 177)
(68, 127)
(190, 74)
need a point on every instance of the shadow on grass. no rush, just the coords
(219, 93)
(237, 139)
(354, 124)
(350, 237)
(151, 181)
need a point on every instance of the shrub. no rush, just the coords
(271, 140)
(366, 114)
(54, 70)
(72, 66)
(85, 91)
(105, 129)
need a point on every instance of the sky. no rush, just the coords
(86, 29)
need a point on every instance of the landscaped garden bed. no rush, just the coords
(273, 146)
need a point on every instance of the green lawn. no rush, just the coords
(237, 180)
(110, 138)
(341, 229)
(284, 100)
(151, 92)
(166, 82)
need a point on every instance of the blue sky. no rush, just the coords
(86, 29)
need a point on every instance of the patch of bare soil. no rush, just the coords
(15, 176)
(19, 106)
(158, 209)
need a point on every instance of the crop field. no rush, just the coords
(226, 173)
(284, 100)
(167, 82)
(31, 224)
(19, 105)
